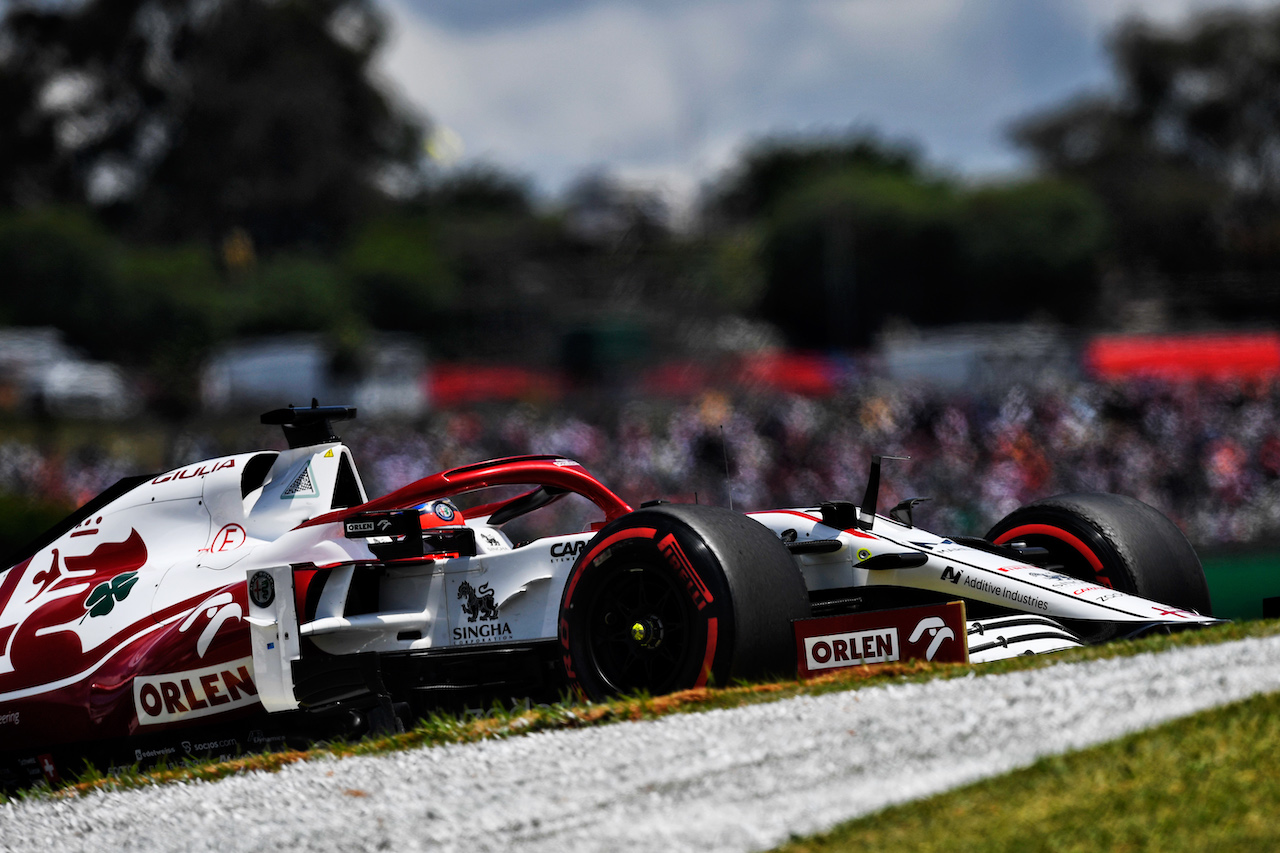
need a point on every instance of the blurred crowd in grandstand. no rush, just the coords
(1207, 454)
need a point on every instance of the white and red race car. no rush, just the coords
(215, 608)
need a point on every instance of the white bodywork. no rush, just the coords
(424, 605)
(191, 532)
(163, 551)
(960, 570)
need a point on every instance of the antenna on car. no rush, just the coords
(304, 427)
(867, 509)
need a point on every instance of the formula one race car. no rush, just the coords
(222, 606)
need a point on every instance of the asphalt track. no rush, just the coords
(744, 779)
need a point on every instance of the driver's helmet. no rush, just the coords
(440, 513)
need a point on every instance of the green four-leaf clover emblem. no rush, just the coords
(103, 597)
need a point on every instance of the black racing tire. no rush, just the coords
(674, 597)
(1115, 541)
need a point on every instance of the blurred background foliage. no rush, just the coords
(174, 174)
(1184, 157)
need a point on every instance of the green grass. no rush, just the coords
(1206, 782)
(509, 722)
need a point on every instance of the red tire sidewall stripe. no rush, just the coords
(705, 672)
(576, 575)
(620, 536)
(1054, 533)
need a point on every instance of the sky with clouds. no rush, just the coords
(669, 91)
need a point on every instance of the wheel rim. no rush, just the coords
(639, 631)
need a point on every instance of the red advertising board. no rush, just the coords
(1224, 356)
(934, 633)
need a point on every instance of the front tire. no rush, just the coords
(673, 597)
(1114, 541)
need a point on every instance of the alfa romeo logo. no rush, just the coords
(262, 589)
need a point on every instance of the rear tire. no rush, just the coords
(673, 597)
(1114, 541)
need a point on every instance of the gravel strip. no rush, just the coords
(742, 779)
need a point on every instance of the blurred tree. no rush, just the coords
(1026, 248)
(59, 270)
(190, 119)
(602, 210)
(400, 277)
(159, 307)
(30, 169)
(473, 231)
(849, 244)
(773, 167)
(735, 271)
(166, 306)
(852, 245)
(481, 190)
(292, 292)
(1186, 154)
(144, 307)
